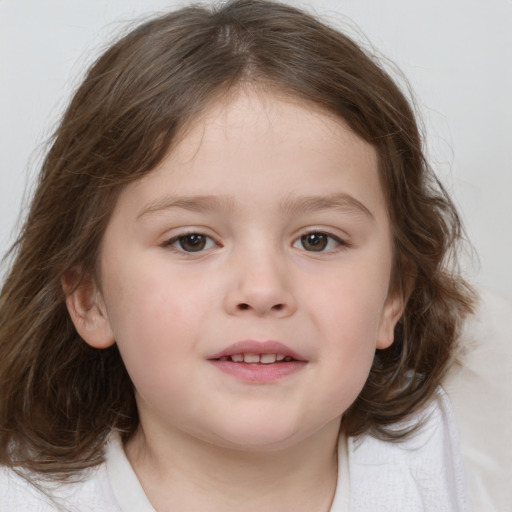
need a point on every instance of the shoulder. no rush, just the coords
(480, 387)
(422, 472)
(89, 492)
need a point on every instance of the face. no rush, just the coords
(245, 280)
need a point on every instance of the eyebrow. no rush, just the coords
(343, 202)
(191, 203)
(292, 205)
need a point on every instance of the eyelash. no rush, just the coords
(325, 240)
(180, 239)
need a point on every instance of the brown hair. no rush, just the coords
(59, 397)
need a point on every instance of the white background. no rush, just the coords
(457, 55)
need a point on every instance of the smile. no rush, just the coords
(258, 362)
(256, 358)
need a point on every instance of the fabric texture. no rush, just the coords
(92, 493)
(423, 473)
(480, 388)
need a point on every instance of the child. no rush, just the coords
(232, 289)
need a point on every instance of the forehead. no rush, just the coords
(264, 144)
(267, 113)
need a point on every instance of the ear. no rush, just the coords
(87, 309)
(391, 314)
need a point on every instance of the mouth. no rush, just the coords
(258, 352)
(258, 362)
(257, 358)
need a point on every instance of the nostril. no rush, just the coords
(244, 306)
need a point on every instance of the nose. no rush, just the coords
(260, 286)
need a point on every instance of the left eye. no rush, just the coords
(192, 242)
(317, 242)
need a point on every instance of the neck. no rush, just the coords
(180, 472)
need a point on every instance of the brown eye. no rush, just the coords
(317, 242)
(314, 241)
(193, 242)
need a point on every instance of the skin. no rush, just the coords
(273, 170)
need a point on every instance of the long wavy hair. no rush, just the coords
(60, 398)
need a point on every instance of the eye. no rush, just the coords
(191, 242)
(317, 242)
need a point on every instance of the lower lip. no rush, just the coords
(258, 372)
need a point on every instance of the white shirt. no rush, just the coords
(423, 473)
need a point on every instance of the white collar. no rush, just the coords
(131, 497)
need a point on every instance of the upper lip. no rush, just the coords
(258, 347)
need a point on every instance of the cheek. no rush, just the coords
(350, 304)
(347, 314)
(157, 317)
(351, 341)
(152, 325)
(348, 359)
(150, 301)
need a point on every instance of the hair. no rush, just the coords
(60, 398)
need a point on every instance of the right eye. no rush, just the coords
(191, 242)
(317, 241)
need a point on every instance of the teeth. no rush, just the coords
(256, 358)
(268, 358)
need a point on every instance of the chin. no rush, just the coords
(258, 443)
(263, 436)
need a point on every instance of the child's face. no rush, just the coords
(263, 232)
